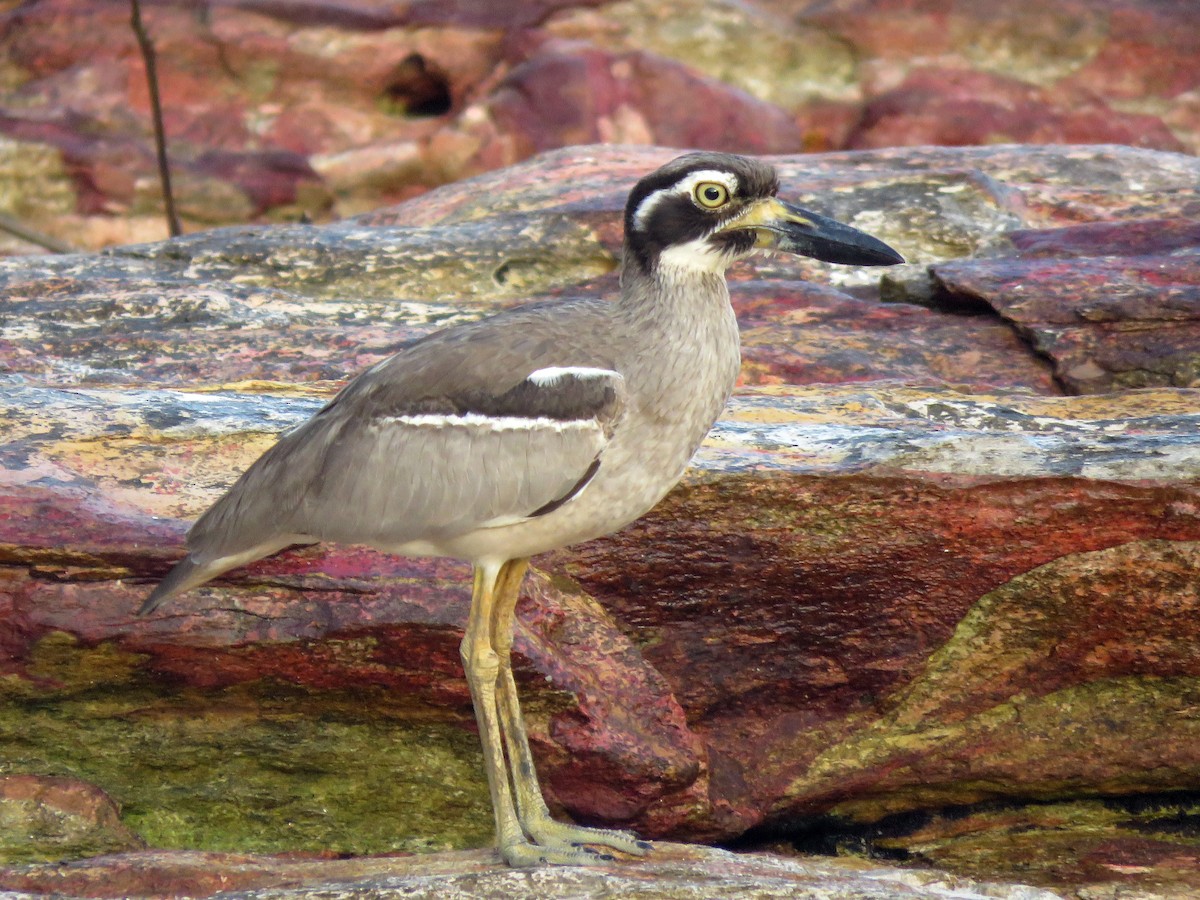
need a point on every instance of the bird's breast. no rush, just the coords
(679, 372)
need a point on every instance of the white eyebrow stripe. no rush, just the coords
(553, 374)
(489, 423)
(683, 187)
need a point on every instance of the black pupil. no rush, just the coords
(712, 194)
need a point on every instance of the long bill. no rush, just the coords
(779, 225)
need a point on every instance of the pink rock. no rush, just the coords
(575, 94)
(895, 581)
(963, 107)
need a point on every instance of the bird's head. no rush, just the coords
(702, 211)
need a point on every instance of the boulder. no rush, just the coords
(676, 871)
(48, 816)
(278, 112)
(907, 599)
(966, 107)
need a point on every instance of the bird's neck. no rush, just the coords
(673, 295)
(682, 334)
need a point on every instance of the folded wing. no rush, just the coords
(385, 465)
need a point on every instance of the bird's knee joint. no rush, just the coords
(479, 660)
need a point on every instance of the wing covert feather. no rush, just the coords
(378, 466)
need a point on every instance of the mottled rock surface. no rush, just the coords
(673, 873)
(275, 111)
(927, 592)
(73, 817)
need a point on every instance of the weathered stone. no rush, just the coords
(1109, 690)
(568, 94)
(1106, 323)
(87, 320)
(795, 332)
(974, 537)
(673, 871)
(278, 111)
(46, 816)
(1137, 237)
(818, 65)
(1136, 846)
(922, 582)
(964, 108)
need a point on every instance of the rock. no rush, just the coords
(820, 66)
(285, 112)
(794, 332)
(1105, 324)
(51, 816)
(1117, 846)
(964, 108)
(907, 582)
(570, 94)
(256, 281)
(673, 871)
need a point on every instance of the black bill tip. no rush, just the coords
(819, 237)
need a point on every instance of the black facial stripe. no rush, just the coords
(675, 218)
(651, 184)
(737, 242)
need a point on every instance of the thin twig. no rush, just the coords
(33, 236)
(160, 138)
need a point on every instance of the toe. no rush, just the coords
(550, 833)
(525, 855)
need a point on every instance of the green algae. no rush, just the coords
(1120, 736)
(1057, 683)
(1143, 844)
(57, 659)
(33, 828)
(259, 767)
(1060, 843)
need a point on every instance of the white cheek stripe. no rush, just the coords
(695, 256)
(553, 374)
(683, 187)
(490, 423)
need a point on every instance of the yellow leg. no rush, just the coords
(534, 817)
(482, 665)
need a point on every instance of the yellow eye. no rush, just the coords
(711, 194)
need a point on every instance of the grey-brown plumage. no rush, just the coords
(528, 431)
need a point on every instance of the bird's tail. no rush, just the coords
(188, 573)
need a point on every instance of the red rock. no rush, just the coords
(798, 333)
(181, 874)
(1138, 237)
(1100, 321)
(573, 94)
(884, 596)
(672, 871)
(903, 595)
(61, 816)
(961, 107)
(388, 100)
(1145, 55)
(270, 180)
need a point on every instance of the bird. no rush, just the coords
(538, 427)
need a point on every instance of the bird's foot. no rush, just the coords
(524, 854)
(547, 832)
(554, 843)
